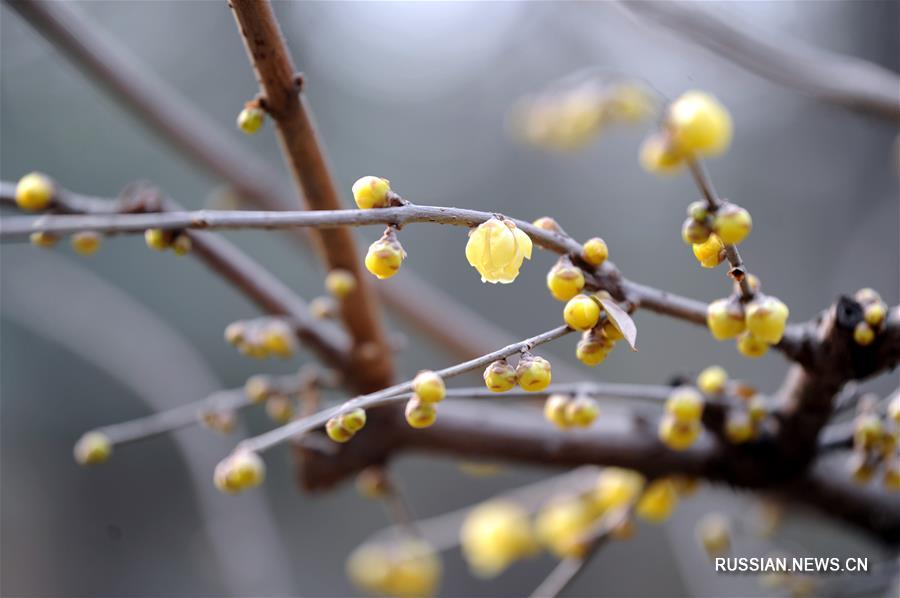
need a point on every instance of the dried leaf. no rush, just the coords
(620, 320)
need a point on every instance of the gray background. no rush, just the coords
(416, 93)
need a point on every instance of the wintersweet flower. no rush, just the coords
(497, 249)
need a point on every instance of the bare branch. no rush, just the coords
(843, 80)
(386, 395)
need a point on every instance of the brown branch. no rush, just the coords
(280, 84)
(831, 77)
(173, 117)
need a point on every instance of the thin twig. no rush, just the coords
(738, 269)
(300, 426)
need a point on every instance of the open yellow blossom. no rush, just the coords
(497, 249)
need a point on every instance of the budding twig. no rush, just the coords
(701, 177)
(568, 569)
(300, 426)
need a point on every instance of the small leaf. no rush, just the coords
(620, 320)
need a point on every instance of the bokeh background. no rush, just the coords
(418, 93)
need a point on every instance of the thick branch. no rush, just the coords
(303, 152)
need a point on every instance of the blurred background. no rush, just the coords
(419, 94)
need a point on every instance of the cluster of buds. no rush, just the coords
(160, 240)
(341, 428)
(497, 249)
(533, 373)
(262, 337)
(874, 315)
(875, 443)
(385, 256)
(428, 391)
(408, 567)
(280, 406)
(566, 280)
(568, 119)
(757, 324)
(693, 125)
(680, 427)
(93, 448)
(566, 411)
(707, 232)
(239, 471)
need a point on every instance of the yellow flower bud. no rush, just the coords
(874, 314)
(714, 534)
(711, 252)
(34, 192)
(861, 469)
(725, 319)
(685, 404)
(182, 244)
(658, 502)
(239, 471)
(712, 380)
(658, 155)
(891, 479)
(157, 239)
(408, 568)
(278, 339)
(497, 248)
(280, 408)
(555, 410)
(593, 349)
(739, 427)
(235, 333)
(92, 448)
(340, 283)
(564, 280)
(629, 102)
(548, 224)
(594, 251)
(533, 373)
(385, 256)
(893, 409)
(429, 387)
(867, 431)
(732, 223)
(42, 239)
(86, 242)
(694, 232)
(677, 435)
(699, 124)
(499, 376)
(757, 409)
(616, 488)
(766, 319)
(420, 414)
(336, 431)
(561, 525)
(582, 411)
(372, 192)
(323, 308)
(258, 389)
(750, 346)
(353, 420)
(582, 312)
(698, 210)
(863, 334)
(250, 120)
(222, 421)
(494, 535)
